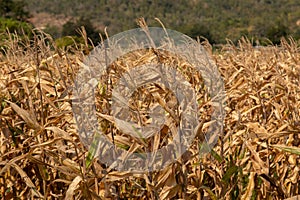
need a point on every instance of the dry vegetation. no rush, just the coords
(41, 155)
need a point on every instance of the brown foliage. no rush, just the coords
(258, 155)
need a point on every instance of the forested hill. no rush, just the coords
(213, 19)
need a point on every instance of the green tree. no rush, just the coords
(276, 32)
(15, 26)
(54, 31)
(216, 20)
(22, 29)
(71, 28)
(13, 9)
(297, 33)
(197, 30)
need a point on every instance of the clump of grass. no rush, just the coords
(41, 155)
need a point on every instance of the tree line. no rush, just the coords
(215, 20)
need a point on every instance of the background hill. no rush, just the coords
(214, 19)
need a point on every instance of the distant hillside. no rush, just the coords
(213, 19)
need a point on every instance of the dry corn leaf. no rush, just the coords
(259, 166)
(60, 133)
(168, 192)
(259, 131)
(116, 176)
(73, 187)
(27, 180)
(12, 161)
(166, 177)
(297, 197)
(71, 164)
(29, 119)
(293, 150)
(251, 184)
(47, 143)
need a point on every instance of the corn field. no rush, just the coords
(256, 157)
